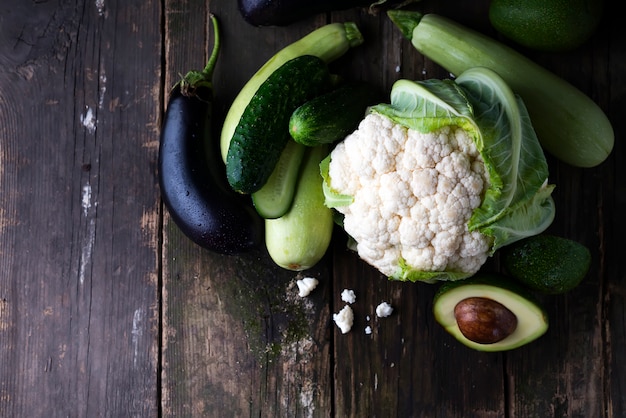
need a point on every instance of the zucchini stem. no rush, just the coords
(353, 34)
(194, 80)
(406, 21)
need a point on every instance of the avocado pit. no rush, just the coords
(484, 320)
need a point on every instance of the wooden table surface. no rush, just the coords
(107, 310)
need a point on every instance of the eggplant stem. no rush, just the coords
(210, 65)
(194, 80)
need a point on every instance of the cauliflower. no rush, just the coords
(414, 194)
(432, 184)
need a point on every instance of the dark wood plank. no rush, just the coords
(79, 230)
(568, 372)
(238, 340)
(610, 266)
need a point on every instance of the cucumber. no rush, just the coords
(333, 115)
(569, 125)
(274, 199)
(262, 133)
(328, 42)
(299, 239)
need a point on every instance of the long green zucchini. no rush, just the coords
(328, 42)
(569, 125)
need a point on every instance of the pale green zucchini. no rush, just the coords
(569, 125)
(299, 239)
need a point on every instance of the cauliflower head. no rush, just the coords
(432, 184)
(413, 195)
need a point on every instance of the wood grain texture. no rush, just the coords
(237, 338)
(107, 309)
(80, 219)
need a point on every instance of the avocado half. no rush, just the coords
(532, 320)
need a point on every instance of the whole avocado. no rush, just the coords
(547, 263)
(546, 25)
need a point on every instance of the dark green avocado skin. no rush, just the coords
(547, 263)
(546, 25)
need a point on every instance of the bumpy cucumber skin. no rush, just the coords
(569, 125)
(331, 116)
(261, 135)
(328, 42)
(299, 239)
(274, 199)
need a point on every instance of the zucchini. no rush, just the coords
(331, 116)
(262, 133)
(328, 42)
(569, 125)
(299, 239)
(274, 199)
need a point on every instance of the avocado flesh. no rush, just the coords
(532, 321)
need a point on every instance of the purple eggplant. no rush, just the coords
(285, 12)
(192, 176)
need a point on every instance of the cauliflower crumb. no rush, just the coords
(368, 330)
(344, 319)
(413, 195)
(348, 296)
(384, 310)
(306, 286)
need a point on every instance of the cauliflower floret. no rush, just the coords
(383, 310)
(344, 319)
(306, 285)
(413, 196)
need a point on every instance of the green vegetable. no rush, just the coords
(488, 312)
(299, 239)
(547, 263)
(262, 132)
(568, 123)
(331, 116)
(328, 42)
(514, 204)
(546, 25)
(274, 199)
